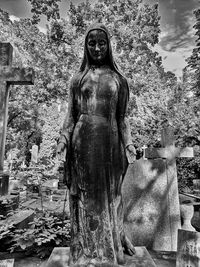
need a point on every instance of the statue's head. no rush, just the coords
(97, 51)
(97, 48)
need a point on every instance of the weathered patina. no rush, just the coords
(97, 136)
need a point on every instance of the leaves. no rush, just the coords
(194, 59)
(155, 95)
(48, 7)
(45, 233)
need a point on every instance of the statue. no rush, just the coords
(96, 140)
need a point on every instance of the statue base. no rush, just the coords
(60, 258)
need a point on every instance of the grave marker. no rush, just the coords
(188, 252)
(34, 154)
(8, 76)
(150, 193)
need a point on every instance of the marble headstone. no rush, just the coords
(188, 252)
(34, 154)
(150, 195)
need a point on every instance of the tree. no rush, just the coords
(49, 7)
(194, 60)
(55, 56)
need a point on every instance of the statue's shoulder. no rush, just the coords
(75, 80)
(122, 80)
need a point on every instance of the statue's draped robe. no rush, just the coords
(96, 133)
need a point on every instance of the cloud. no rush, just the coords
(174, 61)
(13, 18)
(177, 20)
(178, 36)
(42, 29)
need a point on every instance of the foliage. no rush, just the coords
(188, 117)
(188, 169)
(46, 232)
(49, 7)
(155, 95)
(194, 60)
(56, 55)
(53, 120)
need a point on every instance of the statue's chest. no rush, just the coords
(100, 85)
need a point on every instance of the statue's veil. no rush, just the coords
(86, 62)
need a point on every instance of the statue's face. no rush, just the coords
(97, 46)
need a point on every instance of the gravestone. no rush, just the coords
(34, 154)
(188, 251)
(8, 76)
(20, 220)
(150, 193)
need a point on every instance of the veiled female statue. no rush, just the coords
(96, 140)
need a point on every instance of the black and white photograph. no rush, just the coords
(99, 133)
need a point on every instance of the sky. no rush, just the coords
(176, 39)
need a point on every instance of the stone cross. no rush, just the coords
(151, 200)
(168, 149)
(169, 152)
(8, 76)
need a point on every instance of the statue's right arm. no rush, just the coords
(69, 122)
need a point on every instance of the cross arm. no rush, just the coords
(169, 152)
(16, 76)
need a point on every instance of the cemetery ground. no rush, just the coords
(33, 213)
(35, 219)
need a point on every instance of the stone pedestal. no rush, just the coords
(4, 183)
(187, 212)
(60, 258)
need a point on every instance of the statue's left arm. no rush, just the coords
(123, 121)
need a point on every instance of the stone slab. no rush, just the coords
(161, 259)
(7, 263)
(8, 204)
(188, 252)
(60, 257)
(164, 258)
(55, 207)
(21, 219)
(142, 258)
(52, 184)
(151, 203)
